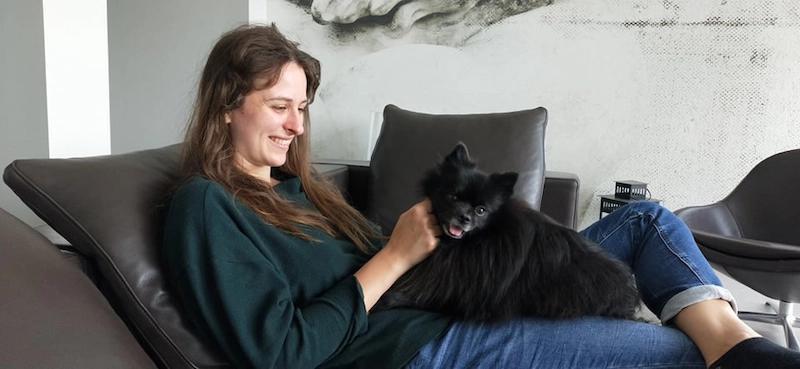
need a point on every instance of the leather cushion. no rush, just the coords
(747, 248)
(110, 209)
(410, 143)
(765, 203)
(52, 315)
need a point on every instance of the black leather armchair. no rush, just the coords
(753, 235)
(410, 143)
(559, 194)
(109, 210)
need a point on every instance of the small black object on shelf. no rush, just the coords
(630, 190)
(625, 192)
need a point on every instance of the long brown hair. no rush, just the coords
(240, 58)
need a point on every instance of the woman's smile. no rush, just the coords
(281, 142)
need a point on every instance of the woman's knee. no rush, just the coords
(647, 207)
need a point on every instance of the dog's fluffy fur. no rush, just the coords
(498, 259)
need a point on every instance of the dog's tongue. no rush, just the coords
(455, 231)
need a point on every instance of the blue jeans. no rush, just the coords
(671, 274)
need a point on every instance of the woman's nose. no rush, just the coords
(294, 123)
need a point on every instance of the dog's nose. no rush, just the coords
(464, 219)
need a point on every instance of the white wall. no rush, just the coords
(150, 52)
(76, 56)
(23, 101)
(156, 53)
(257, 11)
(684, 95)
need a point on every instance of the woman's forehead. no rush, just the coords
(290, 80)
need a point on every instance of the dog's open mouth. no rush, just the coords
(453, 231)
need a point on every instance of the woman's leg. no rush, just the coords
(671, 272)
(586, 343)
(675, 280)
(714, 327)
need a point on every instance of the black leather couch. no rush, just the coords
(85, 303)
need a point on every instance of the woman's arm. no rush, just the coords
(412, 240)
(241, 299)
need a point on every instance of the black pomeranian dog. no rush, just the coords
(499, 259)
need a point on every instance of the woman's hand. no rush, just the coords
(412, 240)
(415, 235)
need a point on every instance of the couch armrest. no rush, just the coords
(355, 187)
(559, 196)
(335, 173)
(712, 218)
(52, 315)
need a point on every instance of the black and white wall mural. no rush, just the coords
(441, 22)
(674, 93)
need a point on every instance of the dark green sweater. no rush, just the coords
(271, 300)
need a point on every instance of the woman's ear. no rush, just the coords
(228, 118)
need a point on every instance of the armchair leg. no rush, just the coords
(759, 317)
(784, 316)
(785, 311)
(791, 339)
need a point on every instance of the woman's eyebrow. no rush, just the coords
(287, 99)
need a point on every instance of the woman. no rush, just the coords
(274, 267)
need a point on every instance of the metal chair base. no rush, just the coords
(783, 316)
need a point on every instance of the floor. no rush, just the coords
(749, 300)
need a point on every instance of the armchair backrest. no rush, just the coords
(766, 203)
(411, 143)
(110, 209)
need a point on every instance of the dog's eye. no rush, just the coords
(453, 197)
(480, 210)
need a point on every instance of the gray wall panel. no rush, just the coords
(23, 99)
(156, 52)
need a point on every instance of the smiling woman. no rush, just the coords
(249, 118)
(276, 268)
(270, 261)
(263, 127)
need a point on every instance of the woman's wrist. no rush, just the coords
(395, 259)
(379, 273)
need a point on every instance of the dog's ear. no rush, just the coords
(505, 181)
(460, 156)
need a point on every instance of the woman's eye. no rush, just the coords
(480, 210)
(280, 108)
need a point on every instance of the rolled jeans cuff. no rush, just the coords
(694, 295)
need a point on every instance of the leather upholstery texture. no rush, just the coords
(52, 314)
(411, 143)
(560, 197)
(754, 232)
(110, 210)
(559, 193)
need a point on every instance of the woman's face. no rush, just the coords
(268, 121)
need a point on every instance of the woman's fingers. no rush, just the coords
(426, 205)
(436, 229)
(432, 222)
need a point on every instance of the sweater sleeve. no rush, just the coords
(244, 300)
